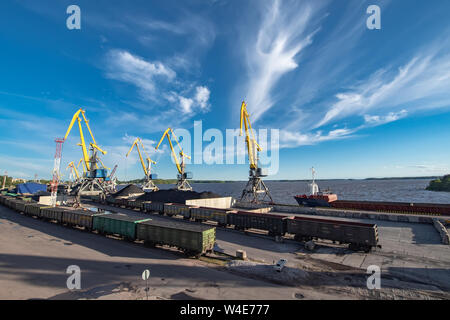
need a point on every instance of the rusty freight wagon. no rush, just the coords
(152, 206)
(173, 209)
(134, 204)
(274, 224)
(192, 238)
(210, 214)
(360, 236)
(80, 218)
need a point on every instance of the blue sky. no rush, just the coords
(352, 102)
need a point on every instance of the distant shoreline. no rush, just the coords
(172, 181)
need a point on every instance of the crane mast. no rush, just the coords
(182, 177)
(148, 184)
(256, 190)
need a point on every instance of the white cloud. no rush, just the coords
(292, 139)
(157, 82)
(186, 104)
(126, 67)
(202, 96)
(390, 117)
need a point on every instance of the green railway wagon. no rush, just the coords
(115, 223)
(34, 209)
(210, 214)
(192, 238)
(80, 218)
(2, 199)
(52, 213)
(173, 209)
(152, 206)
(7, 201)
(21, 205)
(13, 203)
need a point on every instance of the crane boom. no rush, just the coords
(252, 146)
(167, 134)
(74, 169)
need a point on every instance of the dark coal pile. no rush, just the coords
(128, 190)
(176, 196)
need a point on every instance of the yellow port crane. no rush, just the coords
(74, 170)
(76, 117)
(148, 185)
(255, 191)
(93, 182)
(182, 182)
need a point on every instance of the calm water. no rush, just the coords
(401, 190)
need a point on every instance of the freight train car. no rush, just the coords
(34, 209)
(110, 200)
(80, 218)
(152, 206)
(173, 209)
(119, 224)
(211, 214)
(275, 224)
(192, 238)
(121, 203)
(52, 213)
(134, 204)
(22, 205)
(400, 207)
(360, 236)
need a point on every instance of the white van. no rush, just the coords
(280, 265)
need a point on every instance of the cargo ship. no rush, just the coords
(317, 198)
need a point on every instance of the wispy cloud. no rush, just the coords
(426, 77)
(282, 35)
(390, 117)
(293, 139)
